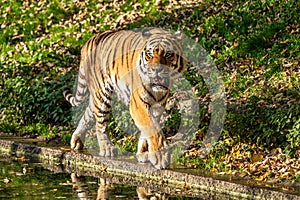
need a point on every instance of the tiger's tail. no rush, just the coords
(81, 90)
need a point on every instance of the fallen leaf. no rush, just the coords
(21, 159)
(65, 149)
(7, 180)
(262, 177)
(256, 158)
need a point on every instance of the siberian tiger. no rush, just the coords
(138, 67)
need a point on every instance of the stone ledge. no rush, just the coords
(135, 173)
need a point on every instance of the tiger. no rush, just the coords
(138, 67)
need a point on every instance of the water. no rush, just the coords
(26, 179)
(22, 180)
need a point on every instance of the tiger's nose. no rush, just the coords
(158, 69)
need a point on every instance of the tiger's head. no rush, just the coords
(162, 57)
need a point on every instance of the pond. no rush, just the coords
(22, 180)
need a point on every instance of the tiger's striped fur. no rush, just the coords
(137, 66)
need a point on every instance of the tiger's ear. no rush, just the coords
(146, 34)
(178, 35)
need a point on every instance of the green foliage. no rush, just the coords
(123, 134)
(30, 97)
(265, 126)
(293, 138)
(297, 178)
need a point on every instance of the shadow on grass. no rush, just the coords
(269, 124)
(260, 41)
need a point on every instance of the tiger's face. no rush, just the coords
(162, 56)
(158, 68)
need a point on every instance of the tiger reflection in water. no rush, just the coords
(139, 68)
(105, 189)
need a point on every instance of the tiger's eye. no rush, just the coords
(169, 54)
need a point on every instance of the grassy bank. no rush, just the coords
(255, 45)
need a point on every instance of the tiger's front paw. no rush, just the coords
(76, 143)
(142, 157)
(107, 149)
(160, 159)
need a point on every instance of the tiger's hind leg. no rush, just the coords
(102, 101)
(86, 122)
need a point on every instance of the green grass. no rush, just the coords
(255, 45)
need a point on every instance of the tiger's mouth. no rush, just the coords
(160, 83)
